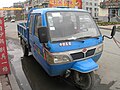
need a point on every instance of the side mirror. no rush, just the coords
(113, 31)
(43, 34)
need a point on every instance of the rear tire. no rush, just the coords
(24, 47)
(21, 40)
(84, 81)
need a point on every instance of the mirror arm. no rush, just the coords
(107, 37)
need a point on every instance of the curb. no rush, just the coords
(104, 28)
(5, 83)
(13, 82)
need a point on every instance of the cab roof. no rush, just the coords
(44, 10)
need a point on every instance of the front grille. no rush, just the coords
(90, 52)
(78, 55)
(81, 55)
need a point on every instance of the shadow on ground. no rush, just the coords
(39, 80)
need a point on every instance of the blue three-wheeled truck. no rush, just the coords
(65, 42)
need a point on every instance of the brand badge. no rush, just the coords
(84, 50)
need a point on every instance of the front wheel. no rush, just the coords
(84, 81)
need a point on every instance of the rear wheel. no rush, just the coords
(24, 47)
(84, 81)
(21, 40)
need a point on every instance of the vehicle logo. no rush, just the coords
(84, 50)
(65, 44)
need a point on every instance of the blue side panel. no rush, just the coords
(52, 70)
(23, 31)
(75, 45)
(41, 61)
(59, 69)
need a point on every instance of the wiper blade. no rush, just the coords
(81, 39)
(87, 37)
(67, 39)
(62, 40)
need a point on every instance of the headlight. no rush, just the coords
(61, 58)
(99, 49)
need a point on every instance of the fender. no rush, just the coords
(85, 66)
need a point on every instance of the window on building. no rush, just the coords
(91, 3)
(90, 9)
(38, 23)
(86, 3)
(87, 8)
(96, 9)
(95, 4)
(95, 15)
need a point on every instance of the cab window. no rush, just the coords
(30, 24)
(38, 23)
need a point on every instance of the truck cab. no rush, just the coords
(72, 33)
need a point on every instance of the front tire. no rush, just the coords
(84, 81)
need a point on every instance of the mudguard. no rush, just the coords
(85, 66)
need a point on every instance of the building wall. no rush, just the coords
(102, 12)
(91, 6)
(109, 8)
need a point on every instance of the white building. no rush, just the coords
(102, 13)
(91, 6)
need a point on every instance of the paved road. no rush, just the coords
(107, 76)
(110, 63)
(11, 29)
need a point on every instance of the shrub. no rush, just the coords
(107, 23)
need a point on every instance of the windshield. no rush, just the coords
(71, 25)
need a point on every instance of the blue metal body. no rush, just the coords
(84, 66)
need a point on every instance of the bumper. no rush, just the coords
(54, 70)
(85, 66)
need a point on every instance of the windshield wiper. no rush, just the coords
(81, 38)
(62, 40)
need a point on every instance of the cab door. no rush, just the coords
(31, 27)
(38, 47)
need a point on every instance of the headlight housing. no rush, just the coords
(99, 49)
(61, 58)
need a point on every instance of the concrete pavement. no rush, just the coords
(4, 83)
